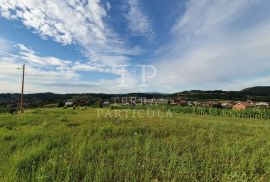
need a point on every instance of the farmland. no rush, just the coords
(250, 113)
(100, 145)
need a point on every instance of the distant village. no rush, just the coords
(255, 97)
(133, 101)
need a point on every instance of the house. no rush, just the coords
(209, 103)
(226, 105)
(178, 101)
(182, 102)
(51, 105)
(242, 105)
(172, 102)
(150, 101)
(70, 104)
(162, 101)
(106, 103)
(125, 104)
(196, 103)
(262, 104)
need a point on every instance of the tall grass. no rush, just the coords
(251, 113)
(77, 145)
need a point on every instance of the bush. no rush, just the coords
(61, 104)
(13, 111)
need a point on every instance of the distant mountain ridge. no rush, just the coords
(258, 90)
(258, 93)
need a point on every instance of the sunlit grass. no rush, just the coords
(77, 145)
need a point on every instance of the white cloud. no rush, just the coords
(212, 47)
(51, 74)
(100, 86)
(206, 15)
(5, 46)
(65, 21)
(138, 22)
(215, 44)
(76, 22)
(71, 22)
(32, 58)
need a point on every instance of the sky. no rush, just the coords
(123, 46)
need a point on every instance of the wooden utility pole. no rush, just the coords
(21, 106)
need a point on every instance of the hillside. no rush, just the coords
(40, 99)
(260, 93)
(78, 145)
(259, 90)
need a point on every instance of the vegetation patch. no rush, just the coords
(183, 148)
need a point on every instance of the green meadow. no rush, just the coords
(101, 145)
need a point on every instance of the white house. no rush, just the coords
(262, 104)
(69, 104)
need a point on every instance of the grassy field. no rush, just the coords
(94, 145)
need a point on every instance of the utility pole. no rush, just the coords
(21, 106)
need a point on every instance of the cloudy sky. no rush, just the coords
(119, 46)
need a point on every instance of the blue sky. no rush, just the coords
(81, 46)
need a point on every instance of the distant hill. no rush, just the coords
(258, 90)
(259, 93)
(210, 95)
